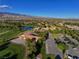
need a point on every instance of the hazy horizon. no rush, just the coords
(43, 8)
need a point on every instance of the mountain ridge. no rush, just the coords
(9, 14)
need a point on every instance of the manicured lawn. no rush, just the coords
(62, 46)
(12, 50)
(10, 34)
(5, 51)
(18, 49)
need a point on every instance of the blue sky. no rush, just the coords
(47, 8)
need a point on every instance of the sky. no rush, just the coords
(45, 8)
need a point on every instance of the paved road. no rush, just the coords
(51, 47)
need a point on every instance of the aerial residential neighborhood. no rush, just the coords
(39, 39)
(39, 29)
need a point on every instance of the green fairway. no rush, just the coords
(7, 35)
(18, 49)
(12, 50)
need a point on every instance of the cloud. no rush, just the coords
(4, 6)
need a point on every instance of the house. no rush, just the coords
(30, 36)
(73, 53)
(25, 36)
